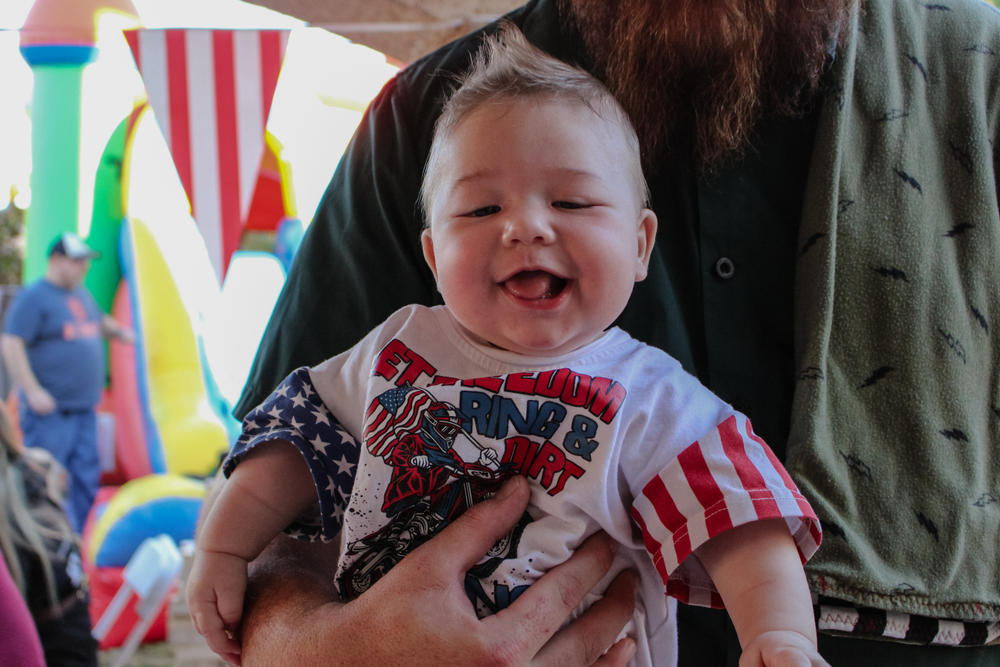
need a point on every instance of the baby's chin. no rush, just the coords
(542, 346)
(535, 339)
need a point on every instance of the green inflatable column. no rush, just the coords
(55, 147)
(57, 40)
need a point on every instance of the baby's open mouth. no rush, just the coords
(535, 285)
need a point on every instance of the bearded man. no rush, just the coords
(824, 174)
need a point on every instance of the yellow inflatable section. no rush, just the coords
(144, 507)
(180, 421)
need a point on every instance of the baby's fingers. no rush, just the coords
(229, 601)
(206, 615)
(782, 648)
(789, 658)
(219, 638)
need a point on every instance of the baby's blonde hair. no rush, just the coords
(507, 67)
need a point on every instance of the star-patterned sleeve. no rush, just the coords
(295, 412)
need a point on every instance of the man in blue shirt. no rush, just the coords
(52, 346)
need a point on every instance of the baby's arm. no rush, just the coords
(264, 494)
(757, 571)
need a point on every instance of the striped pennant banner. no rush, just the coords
(211, 93)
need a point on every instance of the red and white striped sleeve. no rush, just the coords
(727, 478)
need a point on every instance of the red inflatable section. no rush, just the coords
(104, 584)
(131, 454)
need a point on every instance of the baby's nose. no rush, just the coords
(528, 225)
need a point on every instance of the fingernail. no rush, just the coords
(509, 487)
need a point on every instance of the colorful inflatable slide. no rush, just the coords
(172, 425)
(173, 199)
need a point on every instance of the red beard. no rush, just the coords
(701, 73)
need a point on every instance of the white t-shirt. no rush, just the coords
(614, 436)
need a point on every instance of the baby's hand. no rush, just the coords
(215, 600)
(781, 648)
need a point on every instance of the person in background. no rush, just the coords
(828, 262)
(53, 348)
(41, 553)
(19, 641)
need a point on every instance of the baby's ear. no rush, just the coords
(427, 244)
(646, 237)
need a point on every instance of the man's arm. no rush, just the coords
(419, 613)
(15, 356)
(111, 328)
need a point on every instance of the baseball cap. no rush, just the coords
(72, 246)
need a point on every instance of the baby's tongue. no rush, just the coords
(533, 285)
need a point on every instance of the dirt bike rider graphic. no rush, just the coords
(419, 500)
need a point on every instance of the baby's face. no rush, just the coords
(537, 234)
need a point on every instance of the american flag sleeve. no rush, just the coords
(727, 478)
(295, 412)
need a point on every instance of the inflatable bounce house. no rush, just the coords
(196, 302)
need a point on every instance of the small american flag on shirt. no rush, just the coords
(396, 411)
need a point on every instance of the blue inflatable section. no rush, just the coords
(144, 507)
(174, 516)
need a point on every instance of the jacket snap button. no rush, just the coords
(724, 268)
